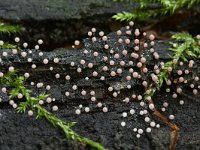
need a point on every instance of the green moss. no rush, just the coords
(165, 7)
(6, 28)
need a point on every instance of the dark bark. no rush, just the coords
(18, 131)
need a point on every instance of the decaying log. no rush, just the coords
(99, 126)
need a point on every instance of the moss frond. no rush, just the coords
(9, 29)
(8, 46)
(167, 7)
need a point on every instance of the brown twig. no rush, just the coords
(175, 130)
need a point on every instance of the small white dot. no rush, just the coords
(148, 130)
(132, 111)
(54, 108)
(19, 96)
(104, 38)
(181, 102)
(152, 124)
(5, 54)
(138, 135)
(11, 102)
(25, 45)
(163, 109)
(72, 63)
(165, 104)
(119, 32)
(41, 54)
(26, 75)
(33, 66)
(3, 90)
(94, 74)
(49, 100)
(140, 131)
(17, 39)
(51, 68)
(56, 60)
(105, 109)
(131, 23)
(106, 46)
(82, 62)
(171, 117)
(123, 124)
(11, 68)
(115, 94)
(92, 92)
(151, 106)
(14, 51)
(67, 93)
(146, 119)
(45, 61)
(57, 76)
(29, 59)
(74, 87)
(89, 33)
(87, 109)
(102, 78)
(93, 98)
(37, 47)
(14, 105)
(158, 126)
(83, 92)
(32, 83)
(30, 113)
(1, 74)
(1, 42)
(94, 39)
(101, 33)
(90, 65)
(23, 54)
(78, 111)
(124, 114)
(40, 41)
(67, 77)
(79, 70)
(41, 102)
(93, 29)
(48, 87)
(99, 104)
(77, 42)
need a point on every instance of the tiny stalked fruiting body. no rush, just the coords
(78, 111)
(55, 108)
(30, 113)
(171, 117)
(123, 124)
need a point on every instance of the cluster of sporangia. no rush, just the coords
(127, 62)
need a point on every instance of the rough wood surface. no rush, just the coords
(18, 131)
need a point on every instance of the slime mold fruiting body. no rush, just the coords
(126, 63)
